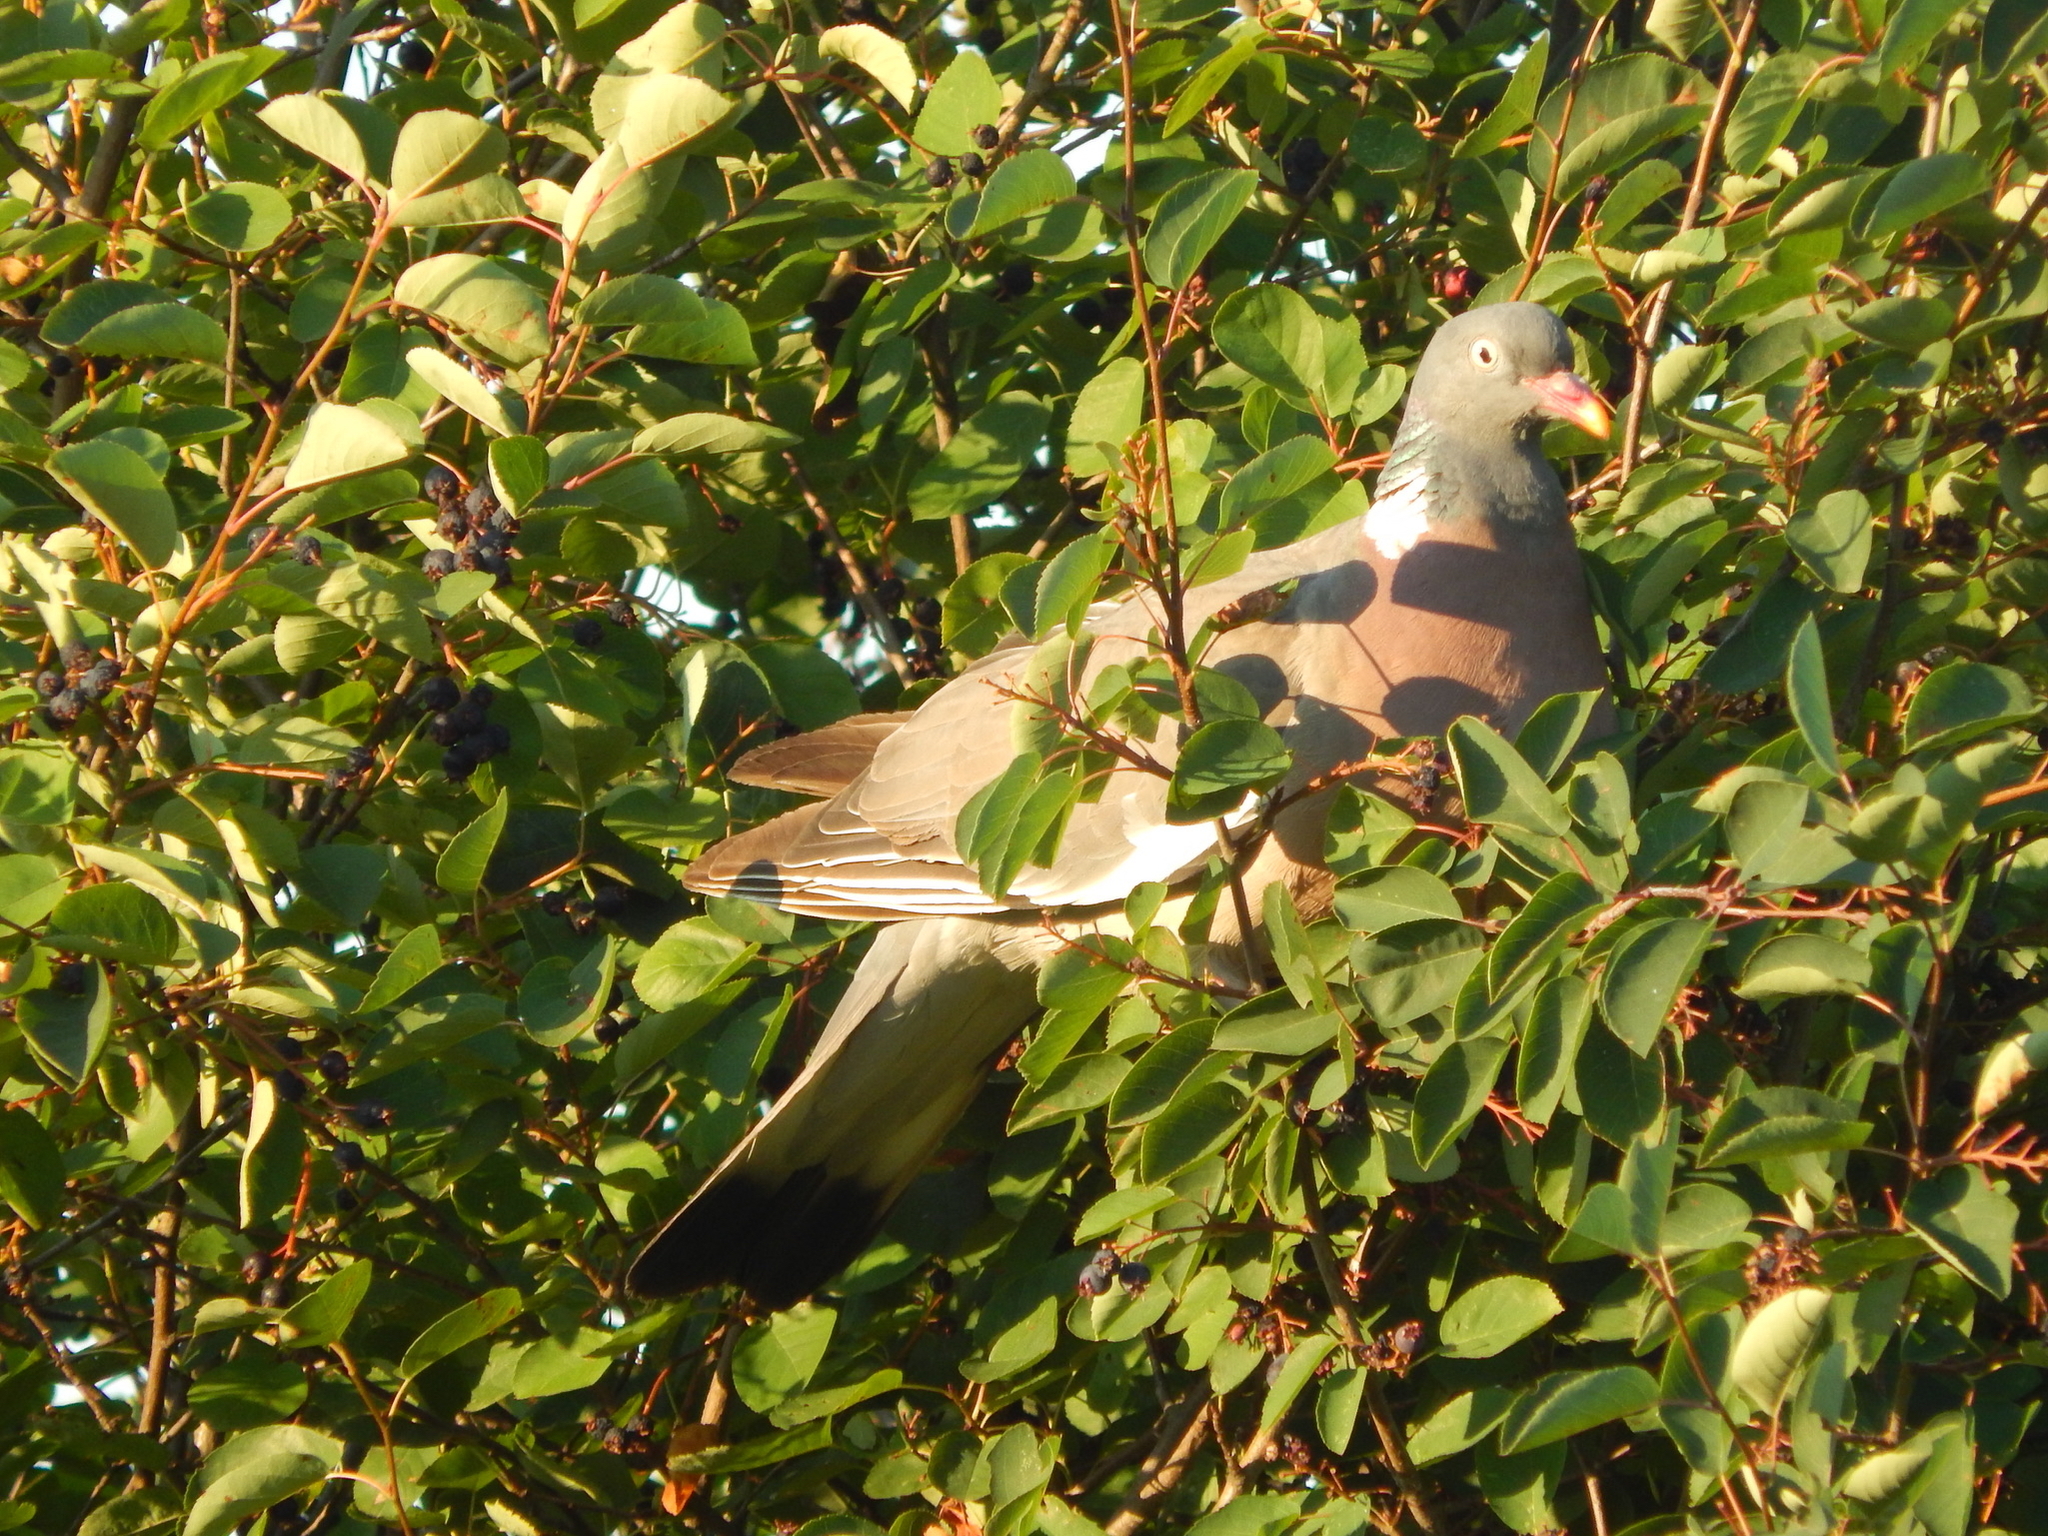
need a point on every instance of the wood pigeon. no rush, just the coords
(1459, 592)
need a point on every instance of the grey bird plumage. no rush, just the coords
(1459, 592)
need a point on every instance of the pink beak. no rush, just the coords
(1569, 398)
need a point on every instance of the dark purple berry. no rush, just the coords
(77, 655)
(492, 741)
(437, 563)
(1135, 1276)
(973, 164)
(416, 58)
(288, 1049)
(619, 611)
(69, 978)
(49, 684)
(587, 632)
(371, 1116)
(984, 136)
(306, 549)
(334, 1067)
(939, 174)
(452, 524)
(443, 731)
(1092, 1281)
(66, 707)
(98, 680)
(348, 1157)
(436, 693)
(289, 1085)
(458, 762)
(483, 695)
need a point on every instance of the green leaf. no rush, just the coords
(1904, 324)
(444, 171)
(1569, 1403)
(411, 961)
(1494, 1314)
(1920, 189)
(1149, 1087)
(460, 869)
(1223, 760)
(1963, 698)
(341, 441)
(1453, 1092)
(1770, 101)
(1499, 787)
(118, 486)
(1108, 410)
(1414, 968)
(456, 384)
(323, 1315)
(688, 960)
(1270, 332)
(1644, 972)
(240, 216)
(1620, 1093)
(664, 112)
(1969, 1221)
(1226, 57)
(1806, 690)
(1550, 1045)
(963, 98)
(31, 1169)
(1805, 965)
(1832, 538)
(1189, 1129)
(1538, 933)
(983, 460)
(1387, 897)
(882, 56)
(559, 1001)
(1337, 1405)
(1022, 184)
(1190, 219)
(706, 434)
(1463, 1421)
(254, 1471)
(777, 1356)
(1774, 1343)
(1298, 1368)
(460, 1328)
(348, 134)
(1911, 31)
(519, 471)
(1069, 584)
(484, 299)
(116, 921)
(1517, 104)
(207, 86)
(67, 1030)
(1780, 1121)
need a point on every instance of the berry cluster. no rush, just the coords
(1108, 1265)
(86, 679)
(606, 903)
(461, 724)
(480, 529)
(633, 1438)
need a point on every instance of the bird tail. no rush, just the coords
(903, 1055)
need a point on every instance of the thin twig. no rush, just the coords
(1695, 198)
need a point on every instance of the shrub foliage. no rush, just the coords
(438, 441)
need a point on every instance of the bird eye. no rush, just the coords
(1484, 355)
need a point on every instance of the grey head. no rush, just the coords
(1503, 370)
(1470, 444)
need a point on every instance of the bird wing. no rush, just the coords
(820, 762)
(883, 846)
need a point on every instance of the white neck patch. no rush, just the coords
(1399, 517)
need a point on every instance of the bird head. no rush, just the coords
(1507, 367)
